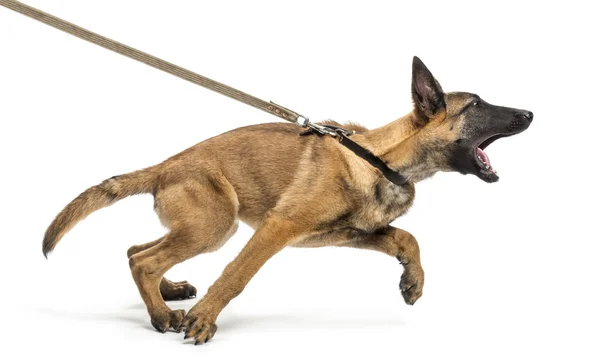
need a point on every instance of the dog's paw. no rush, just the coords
(200, 327)
(165, 320)
(176, 290)
(411, 284)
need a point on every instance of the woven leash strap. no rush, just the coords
(270, 107)
(155, 62)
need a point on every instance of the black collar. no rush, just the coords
(343, 137)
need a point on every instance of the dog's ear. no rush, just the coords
(427, 93)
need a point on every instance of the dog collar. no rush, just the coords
(343, 135)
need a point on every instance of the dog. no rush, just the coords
(299, 191)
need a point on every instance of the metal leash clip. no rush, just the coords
(333, 131)
(322, 130)
(300, 120)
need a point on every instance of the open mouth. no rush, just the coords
(499, 122)
(482, 160)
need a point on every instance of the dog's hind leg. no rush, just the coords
(202, 215)
(169, 290)
(138, 248)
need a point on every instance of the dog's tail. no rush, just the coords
(102, 195)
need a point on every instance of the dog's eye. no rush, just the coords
(476, 103)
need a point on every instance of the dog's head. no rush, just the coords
(455, 128)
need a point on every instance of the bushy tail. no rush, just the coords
(102, 195)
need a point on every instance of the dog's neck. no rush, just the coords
(397, 143)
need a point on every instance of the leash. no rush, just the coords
(270, 107)
(153, 61)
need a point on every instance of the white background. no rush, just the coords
(511, 268)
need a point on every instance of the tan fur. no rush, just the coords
(321, 197)
(95, 198)
(297, 191)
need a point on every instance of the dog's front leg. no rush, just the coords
(270, 238)
(401, 245)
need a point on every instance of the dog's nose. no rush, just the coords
(527, 115)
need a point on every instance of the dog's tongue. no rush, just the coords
(483, 157)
